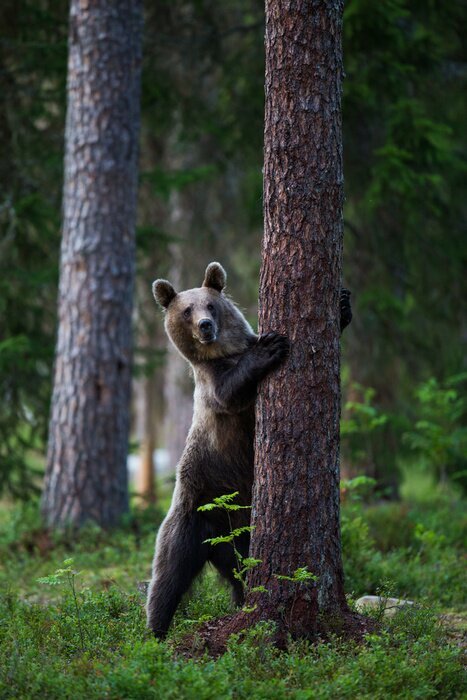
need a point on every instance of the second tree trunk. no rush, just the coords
(86, 476)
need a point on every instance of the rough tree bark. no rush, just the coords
(296, 495)
(86, 474)
(295, 510)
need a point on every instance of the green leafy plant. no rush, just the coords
(299, 578)
(361, 427)
(362, 416)
(67, 575)
(300, 575)
(358, 488)
(244, 564)
(439, 435)
(431, 543)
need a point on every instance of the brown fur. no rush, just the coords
(228, 360)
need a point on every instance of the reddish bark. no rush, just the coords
(296, 494)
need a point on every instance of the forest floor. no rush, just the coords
(83, 635)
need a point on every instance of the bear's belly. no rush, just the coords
(218, 457)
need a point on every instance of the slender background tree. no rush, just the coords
(86, 474)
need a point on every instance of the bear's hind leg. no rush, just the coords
(180, 556)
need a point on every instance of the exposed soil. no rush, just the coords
(214, 635)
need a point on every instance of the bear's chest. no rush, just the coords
(223, 433)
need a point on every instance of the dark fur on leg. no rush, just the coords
(180, 556)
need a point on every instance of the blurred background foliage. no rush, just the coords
(200, 199)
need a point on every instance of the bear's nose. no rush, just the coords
(205, 325)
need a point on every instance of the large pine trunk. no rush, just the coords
(86, 476)
(296, 494)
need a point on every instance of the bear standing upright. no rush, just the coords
(228, 360)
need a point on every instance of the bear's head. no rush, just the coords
(203, 323)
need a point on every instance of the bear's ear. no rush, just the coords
(215, 276)
(163, 292)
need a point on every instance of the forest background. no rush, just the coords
(404, 441)
(200, 199)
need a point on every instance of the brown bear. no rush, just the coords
(228, 360)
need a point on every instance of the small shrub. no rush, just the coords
(439, 435)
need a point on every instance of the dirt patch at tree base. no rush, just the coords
(213, 636)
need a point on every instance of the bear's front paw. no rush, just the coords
(345, 308)
(272, 348)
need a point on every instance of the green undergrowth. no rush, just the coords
(417, 549)
(80, 632)
(41, 656)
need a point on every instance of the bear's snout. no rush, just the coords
(207, 330)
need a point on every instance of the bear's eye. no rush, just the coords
(211, 307)
(187, 312)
